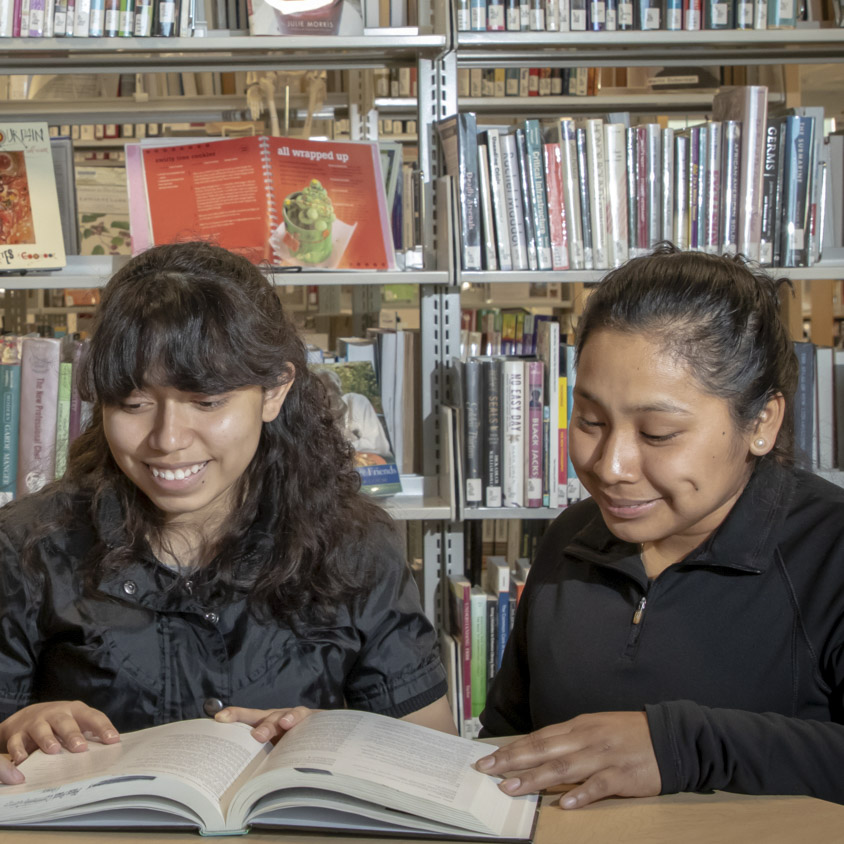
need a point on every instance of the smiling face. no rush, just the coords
(663, 459)
(186, 451)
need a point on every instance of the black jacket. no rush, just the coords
(146, 650)
(738, 659)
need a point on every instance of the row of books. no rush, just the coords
(512, 426)
(593, 192)
(819, 407)
(499, 331)
(41, 412)
(480, 617)
(527, 81)
(612, 15)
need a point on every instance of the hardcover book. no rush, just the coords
(285, 201)
(30, 224)
(338, 770)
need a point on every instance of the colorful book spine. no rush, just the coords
(625, 15)
(548, 351)
(63, 415)
(718, 14)
(533, 437)
(673, 15)
(461, 624)
(40, 358)
(538, 192)
(557, 223)
(692, 15)
(478, 660)
(96, 26)
(126, 21)
(632, 156)
(498, 584)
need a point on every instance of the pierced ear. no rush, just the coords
(767, 427)
(274, 396)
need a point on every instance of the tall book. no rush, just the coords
(714, 177)
(513, 432)
(497, 583)
(584, 193)
(653, 135)
(682, 148)
(40, 359)
(769, 191)
(539, 197)
(460, 622)
(731, 186)
(799, 147)
(63, 403)
(286, 201)
(499, 199)
(491, 427)
(804, 405)
(565, 131)
(10, 400)
(597, 178)
(749, 105)
(478, 660)
(782, 14)
(547, 350)
(30, 225)
(320, 18)
(471, 378)
(667, 224)
(513, 198)
(459, 138)
(534, 403)
(615, 147)
(527, 197)
(489, 251)
(557, 220)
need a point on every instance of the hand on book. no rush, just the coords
(269, 724)
(607, 753)
(50, 726)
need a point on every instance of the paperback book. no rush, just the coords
(283, 201)
(337, 771)
(30, 224)
(305, 17)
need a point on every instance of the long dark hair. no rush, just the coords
(198, 318)
(715, 313)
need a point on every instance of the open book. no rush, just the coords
(340, 770)
(286, 201)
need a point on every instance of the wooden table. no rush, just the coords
(674, 819)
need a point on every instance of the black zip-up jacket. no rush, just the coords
(145, 649)
(736, 656)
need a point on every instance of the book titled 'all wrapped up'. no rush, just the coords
(282, 201)
(30, 226)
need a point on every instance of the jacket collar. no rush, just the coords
(743, 542)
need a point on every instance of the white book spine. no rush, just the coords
(515, 214)
(597, 191)
(564, 15)
(6, 18)
(82, 19)
(668, 185)
(654, 158)
(571, 194)
(499, 201)
(760, 14)
(616, 156)
(513, 432)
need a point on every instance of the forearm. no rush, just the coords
(702, 749)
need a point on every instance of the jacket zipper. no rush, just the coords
(635, 628)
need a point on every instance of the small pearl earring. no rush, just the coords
(760, 443)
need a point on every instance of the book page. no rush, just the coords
(388, 762)
(202, 756)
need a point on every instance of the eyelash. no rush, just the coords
(654, 438)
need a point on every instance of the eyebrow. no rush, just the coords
(661, 406)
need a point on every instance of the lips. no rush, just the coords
(626, 508)
(179, 473)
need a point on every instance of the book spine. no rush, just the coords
(536, 185)
(616, 158)
(583, 184)
(513, 432)
(535, 401)
(489, 254)
(625, 15)
(769, 193)
(779, 203)
(491, 373)
(556, 207)
(642, 188)
(472, 433)
(527, 204)
(564, 17)
(492, 628)
(513, 197)
(143, 19)
(701, 186)
(579, 15)
(468, 191)
(512, 15)
(10, 394)
(126, 24)
(653, 133)
(648, 16)
(536, 21)
(804, 404)
(667, 223)
(495, 16)
(694, 187)
(499, 201)
(799, 140)
(713, 187)
(37, 431)
(563, 422)
(96, 25)
(744, 14)
(478, 604)
(571, 193)
(781, 14)
(36, 18)
(760, 14)
(572, 481)
(59, 19)
(612, 15)
(74, 427)
(111, 24)
(596, 162)
(681, 191)
(464, 16)
(692, 15)
(718, 14)
(673, 15)
(632, 154)
(63, 416)
(462, 625)
(477, 15)
(552, 15)
(597, 15)
(165, 18)
(731, 169)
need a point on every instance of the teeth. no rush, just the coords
(177, 474)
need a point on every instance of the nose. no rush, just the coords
(171, 430)
(617, 457)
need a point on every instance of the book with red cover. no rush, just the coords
(283, 201)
